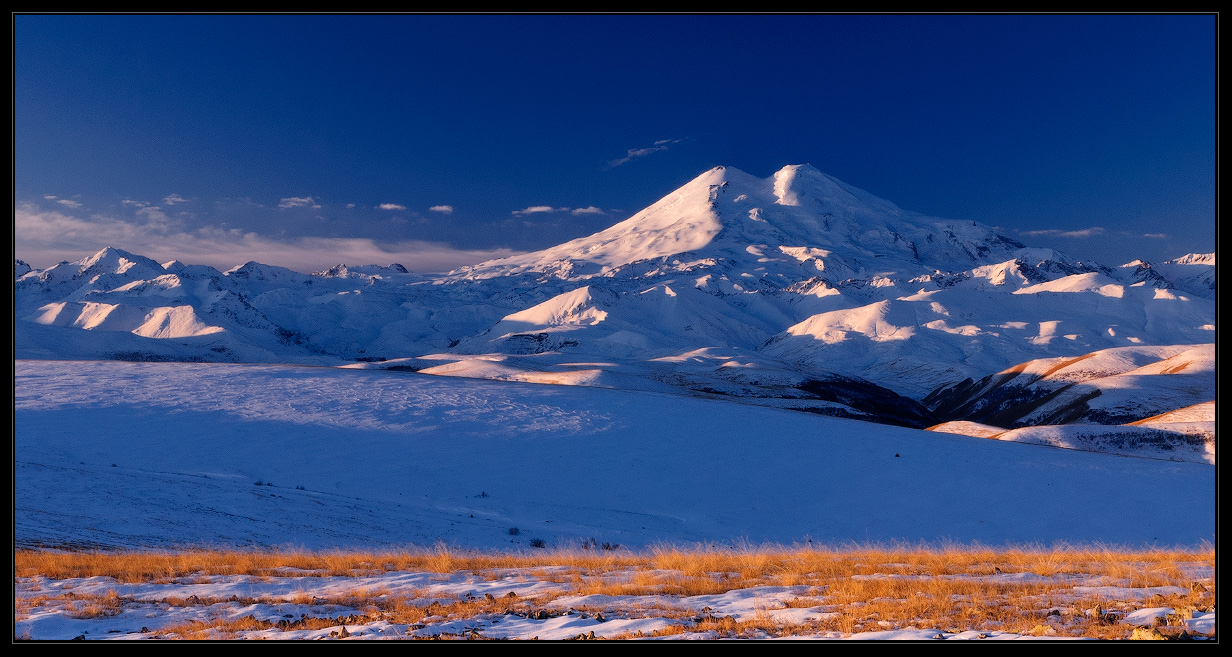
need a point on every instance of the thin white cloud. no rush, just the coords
(635, 153)
(45, 237)
(69, 203)
(1155, 235)
(150, 211)
(391, 206)
(50, 197)
(443, 209)
(544, 209)
(537, 209)
(1094, 231)
(298, 202)
(156, 219)
(140, 204)
(350, 205)
(1086, 232)
(173, 199)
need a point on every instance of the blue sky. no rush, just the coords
(437, 141)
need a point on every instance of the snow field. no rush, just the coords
(114, 454)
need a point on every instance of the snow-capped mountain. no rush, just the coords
(778, 231)
(795, 290)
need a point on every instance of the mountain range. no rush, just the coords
(796, 291)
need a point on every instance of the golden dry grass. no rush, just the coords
(169, 566)
(860, 588)
(95, 606)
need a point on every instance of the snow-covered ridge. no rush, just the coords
(344, 271)
(1142, 400)
(1193, 259)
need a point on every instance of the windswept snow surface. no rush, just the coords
(140, 455)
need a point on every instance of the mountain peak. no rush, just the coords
(725, 214)
(117, 261)
(107, 254)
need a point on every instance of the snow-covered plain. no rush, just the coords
(147, 455)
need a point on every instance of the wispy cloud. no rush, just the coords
(1155, 235)
(538, 209)
(1094, 231)
(390, 206)
(443, 209)
(173, 199)
(45, 237)
(545, 209)
(155, 217)
(37, 231)
(129, 201)
(298, 202)
(68, 203)
(635, 153)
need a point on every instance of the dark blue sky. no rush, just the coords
(218, 139)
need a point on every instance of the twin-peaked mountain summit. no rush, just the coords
(797, 224)
(795, 290)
